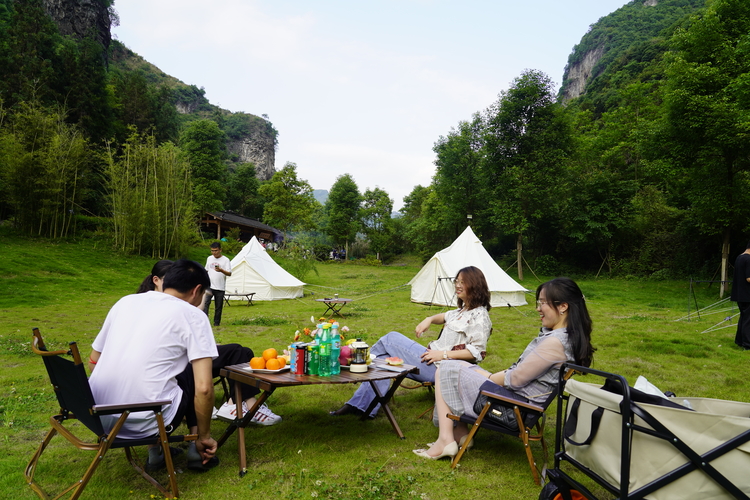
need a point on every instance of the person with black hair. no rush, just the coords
(741, 295)
(565, 336)
(218, 267)
(142, 352)
(464, 336)
(229, 354)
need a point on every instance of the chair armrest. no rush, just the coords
(514, 402)
(144, 406)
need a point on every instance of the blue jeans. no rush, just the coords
(393, 344)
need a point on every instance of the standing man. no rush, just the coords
(155, 346)
(218, 267)
(741, 295)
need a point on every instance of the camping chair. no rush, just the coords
(68, 378)
(429, 386)
(529, 417)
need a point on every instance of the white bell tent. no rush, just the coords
(253, 270)
(433, 284)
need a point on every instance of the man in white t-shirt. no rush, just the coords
(218, 267)
(156, 346)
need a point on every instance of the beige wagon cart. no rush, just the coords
(639, 446)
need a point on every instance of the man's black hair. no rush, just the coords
(215, 244)
(184, 275)
(748, 245)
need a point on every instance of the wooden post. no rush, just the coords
(519, 252)
(724, 268)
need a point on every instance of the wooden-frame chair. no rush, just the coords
(69, 380)
(530, 419)
(430, 386)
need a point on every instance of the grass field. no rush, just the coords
(66, 289)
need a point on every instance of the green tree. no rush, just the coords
(342, 210)
(150, 197)
(458, 176)
(28, 70)
(527, 147)
(45, 166)
(411, 215)
(427, 231)
(290, 202)
(708, 101)
(202, 143)
(82, 83)
(377, 223)
(242, 193)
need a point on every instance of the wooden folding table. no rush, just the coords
(269, 382)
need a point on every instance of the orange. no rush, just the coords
(282, 361)
(273, 364)
(258, 363)
(270, 354)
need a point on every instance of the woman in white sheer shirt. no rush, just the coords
(565, 336)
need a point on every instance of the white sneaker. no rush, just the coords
(229, 411)
(264, 416)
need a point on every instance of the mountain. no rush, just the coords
(321, 195)
(628, 35)
(250, 138)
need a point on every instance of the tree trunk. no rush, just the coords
(724, 268)
(519, 255)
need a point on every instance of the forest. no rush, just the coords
(644, 174)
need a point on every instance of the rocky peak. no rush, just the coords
(79, 18)
(257, 148)
(578, 74)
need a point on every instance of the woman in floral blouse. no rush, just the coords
(464, 336)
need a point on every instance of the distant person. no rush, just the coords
(218, 267)
(159, 346)
(741, 295)
(464, 336)
(229, 354)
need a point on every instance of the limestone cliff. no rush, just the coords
(257, 148)
(80, 18)
(250, 138)
(577, 75)
(609, 37)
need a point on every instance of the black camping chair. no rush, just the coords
(68, 378)
(529, 419)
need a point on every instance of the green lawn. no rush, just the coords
(66, 290)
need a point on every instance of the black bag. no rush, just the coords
(499, 413)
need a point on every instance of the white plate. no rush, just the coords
(391, 368)
(259, 370)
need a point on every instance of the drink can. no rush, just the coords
(300, 358)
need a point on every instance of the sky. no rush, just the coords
(355, 86)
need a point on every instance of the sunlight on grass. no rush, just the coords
(309, 454)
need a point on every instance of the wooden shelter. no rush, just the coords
(221, 222)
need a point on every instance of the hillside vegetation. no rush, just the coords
(645, 174)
